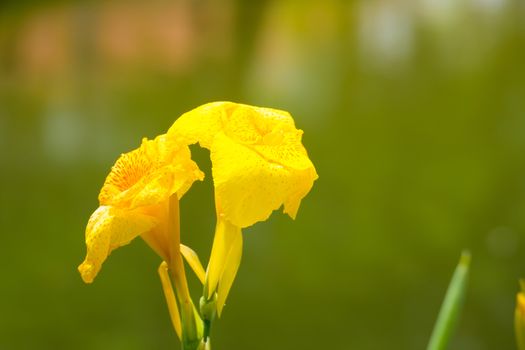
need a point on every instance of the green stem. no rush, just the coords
(191, 336)
(208, 311)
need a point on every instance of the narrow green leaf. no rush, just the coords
(451, 307)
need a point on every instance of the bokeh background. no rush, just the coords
(414, 115)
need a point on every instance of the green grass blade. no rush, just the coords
(451, 307)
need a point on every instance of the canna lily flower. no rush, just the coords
(134, 200)
(258, 165)
(140, 197)
(519, 317)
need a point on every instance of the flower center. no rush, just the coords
(129, 169)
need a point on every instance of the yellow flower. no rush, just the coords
(519, 317)
(258, 164)
(134, 200)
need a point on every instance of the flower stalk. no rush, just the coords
(208, 307)
(191, 323)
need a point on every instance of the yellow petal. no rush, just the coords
(109, 228)
(248, 187)
(269, 132)
(231, 265)
(244, 123)
(170, 298)
(201, 124)
(225, 235)
(157, 238)
(193, 260)
(150, 174)
(259, 162)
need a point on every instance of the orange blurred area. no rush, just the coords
(52, 40)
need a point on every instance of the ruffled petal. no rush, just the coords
(258, 160)
(202, 123)
(109, 228)
(150, 174)
(248, 187)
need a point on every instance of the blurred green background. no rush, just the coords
(413, 113)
